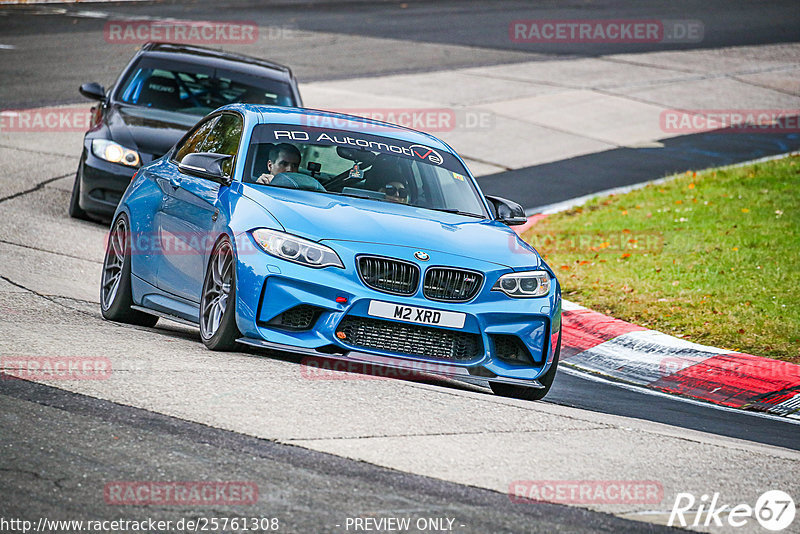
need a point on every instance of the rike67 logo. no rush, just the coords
(774, 510)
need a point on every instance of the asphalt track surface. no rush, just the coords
(79, 440)
(81, 443)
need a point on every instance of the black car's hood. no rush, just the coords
(151, 131)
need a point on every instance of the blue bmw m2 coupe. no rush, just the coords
(337, 237)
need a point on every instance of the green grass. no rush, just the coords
(712, 257)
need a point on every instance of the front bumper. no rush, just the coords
(103, 183)
(267, 287)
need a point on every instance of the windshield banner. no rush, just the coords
(310, 135)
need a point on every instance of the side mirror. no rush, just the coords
(508, 212)
(205, 165)
(93, 90)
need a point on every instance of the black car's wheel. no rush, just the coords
(75, 210)
(115, 286)
(218, 328)
(521, 392)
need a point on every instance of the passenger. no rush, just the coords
(395, 192)
(386, 176)
(282, 158)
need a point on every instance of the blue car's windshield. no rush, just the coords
(196, 89)
(360, 165)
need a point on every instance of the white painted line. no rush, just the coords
(90, 14)
(564, 366)
(7, 47)
(567, 305)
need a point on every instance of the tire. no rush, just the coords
(531, 394)
(218, 328)
(75, 211)
(116, 297)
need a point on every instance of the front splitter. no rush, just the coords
(429, 368)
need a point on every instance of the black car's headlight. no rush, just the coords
(115, 153)
(292, 248)
(524, 284)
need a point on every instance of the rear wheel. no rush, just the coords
(75, 210)
(218, 328)
(525, 393)
(116, 296)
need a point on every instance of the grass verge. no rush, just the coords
(712, 257)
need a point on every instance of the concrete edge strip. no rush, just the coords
(600, 344)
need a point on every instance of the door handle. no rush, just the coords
(175, 182)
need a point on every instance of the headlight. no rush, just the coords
(524, 285)
(296, 249)
(115, 153)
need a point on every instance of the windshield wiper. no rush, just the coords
(371, 197)
(457, 212)
(355, 195)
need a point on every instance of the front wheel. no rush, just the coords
(75, 211)
(218, 328)
(116, 297)
(532, 394)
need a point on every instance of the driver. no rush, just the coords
(282, 158)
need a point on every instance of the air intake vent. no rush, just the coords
(410, 339)
(300, 317)
(389, 275)
(511, 348)
(451, 285)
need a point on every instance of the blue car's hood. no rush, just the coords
(320, 216)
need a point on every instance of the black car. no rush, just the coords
(164, 90)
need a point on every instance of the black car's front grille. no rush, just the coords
(451, 285)
(413, 340)
(391, 276)
(511, 348)
(300, 317)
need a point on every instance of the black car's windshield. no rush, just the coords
(197, 89)
(360, 165)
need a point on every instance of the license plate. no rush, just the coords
(412, 314)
